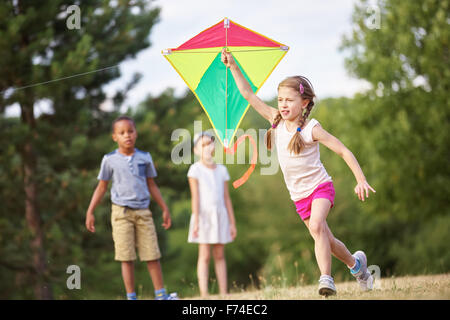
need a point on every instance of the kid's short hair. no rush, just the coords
(120, 118)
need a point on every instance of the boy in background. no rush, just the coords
(132, 172)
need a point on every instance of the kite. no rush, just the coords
(198, 62)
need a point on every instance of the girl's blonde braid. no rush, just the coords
(268, 136)
(297, 144)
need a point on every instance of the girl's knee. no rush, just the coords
(204, 254)
(317, 228)
(204, 258)
(219, 252)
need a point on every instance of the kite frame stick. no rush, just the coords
(268, 75)
(226, 26)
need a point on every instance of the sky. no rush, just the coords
(312, 29)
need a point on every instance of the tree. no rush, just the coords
(36, 46)
(403, 123)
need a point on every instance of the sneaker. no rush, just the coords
(131, 296)
(172, 296)
(326, 286)
(363, 275)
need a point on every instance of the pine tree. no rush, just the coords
(39, 45)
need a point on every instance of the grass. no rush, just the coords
(395, 288)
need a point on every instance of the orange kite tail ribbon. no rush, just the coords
(239, 182)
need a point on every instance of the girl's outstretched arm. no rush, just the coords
(334, 144)
(246, 91)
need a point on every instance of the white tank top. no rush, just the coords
(302, 172)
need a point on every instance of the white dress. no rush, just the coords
(213, 224)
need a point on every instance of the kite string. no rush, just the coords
(226, 90)
(58, 79)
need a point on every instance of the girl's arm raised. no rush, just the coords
(246, 91)
(334, 144)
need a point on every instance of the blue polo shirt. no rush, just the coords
(129, 177)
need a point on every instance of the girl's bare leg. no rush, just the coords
(339, 250)
(220, 267)
(319, 227)
(203, 268)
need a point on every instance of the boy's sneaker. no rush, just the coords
(362, 275)
(172, 296)
(131, 296)
(326, 286)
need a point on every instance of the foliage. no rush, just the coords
(398, 130)
(403, 124)
(47, 162)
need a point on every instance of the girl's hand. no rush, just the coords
(167, 221)
(227, 58)
(233, 231)
(195, 230)
(362, 187)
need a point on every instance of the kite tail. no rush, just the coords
(239, 182)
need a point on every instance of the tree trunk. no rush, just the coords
(42, 288)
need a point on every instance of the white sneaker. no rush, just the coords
(173, 296)
(363, 276)
(326, 286)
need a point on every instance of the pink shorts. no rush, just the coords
(324, 190)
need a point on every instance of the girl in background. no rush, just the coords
(212, 223)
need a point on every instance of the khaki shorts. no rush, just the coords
(133, 228)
